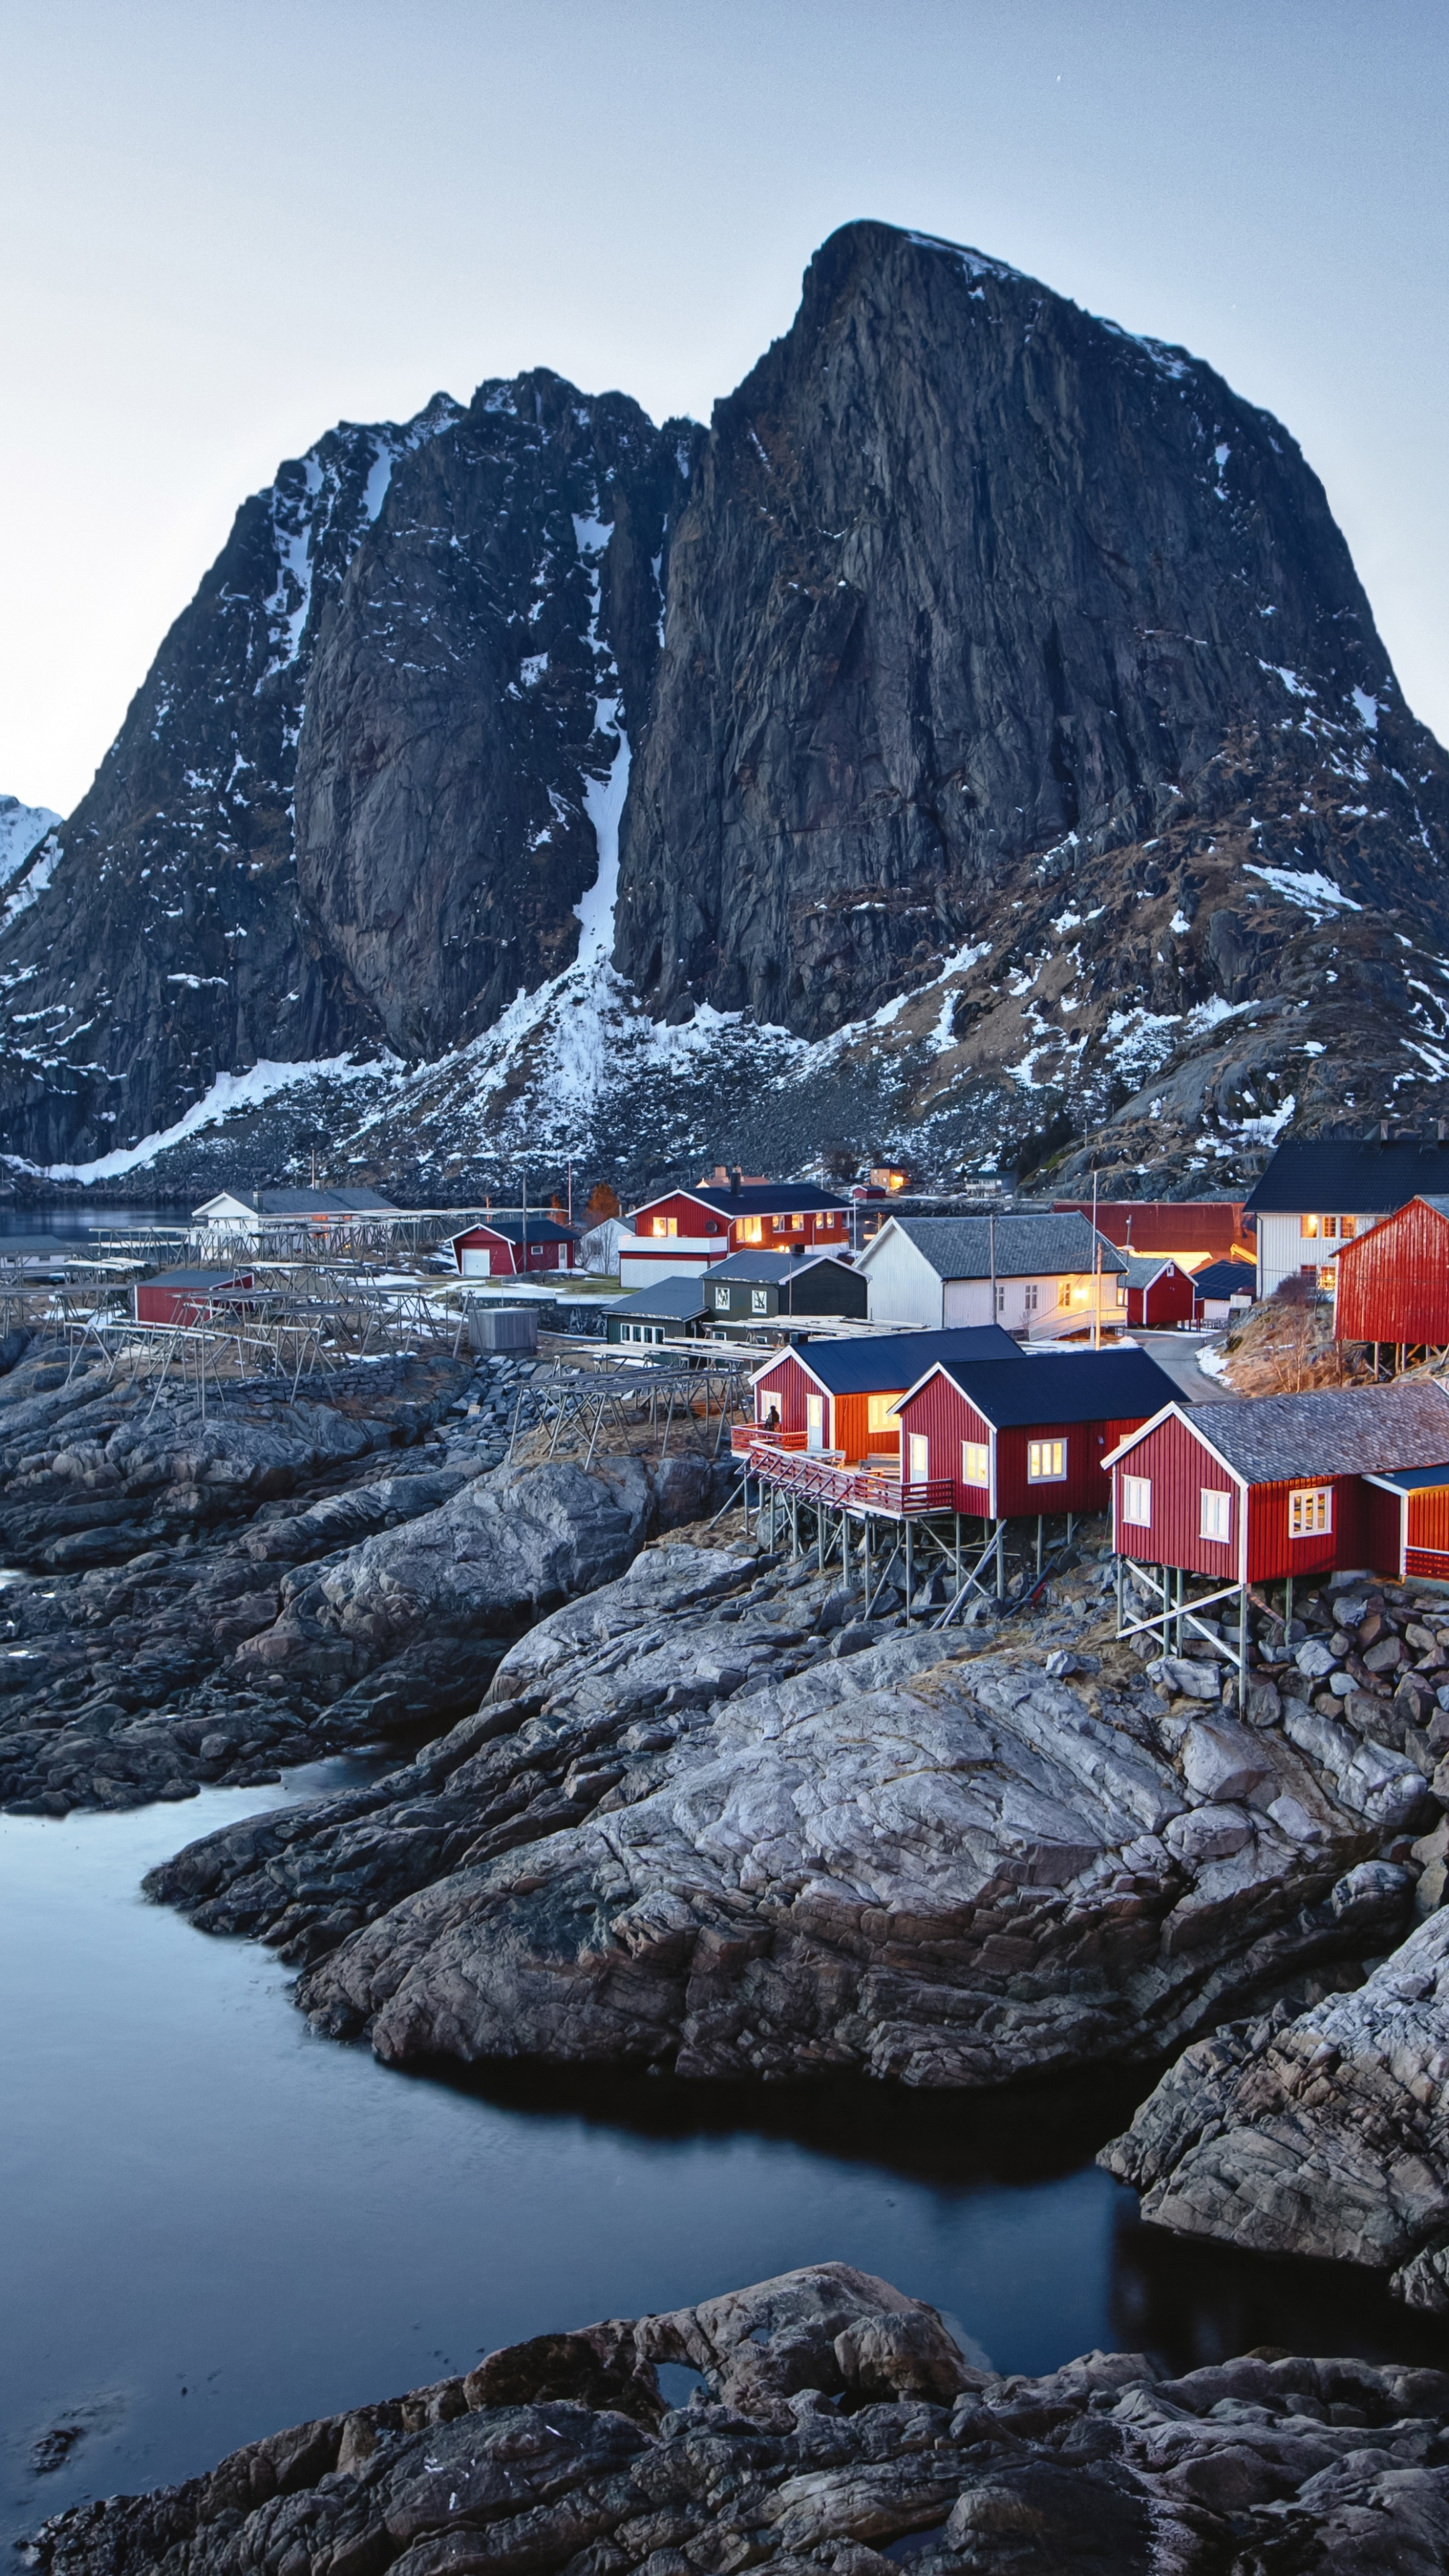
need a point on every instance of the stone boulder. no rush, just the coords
(834, 2426)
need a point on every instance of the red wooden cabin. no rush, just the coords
(1159, 1292)
(1027, 1437)
(837, 1398)
(497, 1249)
(185, 1296)
(1393, 1280)
(749, 1216)
(1280, 1485)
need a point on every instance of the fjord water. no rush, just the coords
(216, 2224)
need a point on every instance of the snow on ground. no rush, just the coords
(1309, 888)
(229, 1093)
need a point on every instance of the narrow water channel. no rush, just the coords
(216, 2224)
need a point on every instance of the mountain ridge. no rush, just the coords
(976, 740)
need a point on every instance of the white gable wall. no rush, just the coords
(901, 1286)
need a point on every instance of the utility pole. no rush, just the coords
(1096, 1270)
(991, 1248)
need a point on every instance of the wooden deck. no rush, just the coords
(793, 1469)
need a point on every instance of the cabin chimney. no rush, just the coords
(737, 1180)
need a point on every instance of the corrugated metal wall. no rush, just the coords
(1393, 1283)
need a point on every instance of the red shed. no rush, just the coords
(183, 1296)
(1276, 1485)
(1017, 1439)
(1393, 1281)
(498, 1249)
(839, 1397)
(1159, 1291)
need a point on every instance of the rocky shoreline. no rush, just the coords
(221, 1592)
(831, 2424)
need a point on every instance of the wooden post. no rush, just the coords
(1038, 1541)
(1243, 1650)
(910, 1567)
(1001, 1560)
(1287, 1606)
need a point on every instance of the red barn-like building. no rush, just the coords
(1159, 1292)
(1027, 1438)
(764, 1215)
(1392, 1282)
(1287, 1485)
(837, 1399)
(498, 1249)
(185, 1296)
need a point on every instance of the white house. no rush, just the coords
(252, 1216)
(1052, 1274)
(1317, 1194)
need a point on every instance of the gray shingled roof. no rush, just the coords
(1027, 1247)
(1337, 1432)
(1143, 1267)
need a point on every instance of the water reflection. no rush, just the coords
(218, 2224)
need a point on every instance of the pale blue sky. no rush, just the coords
(229, 222)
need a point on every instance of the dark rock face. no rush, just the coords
(451, 738)
(1021, 757)
(219, 1594)
(835, 2427)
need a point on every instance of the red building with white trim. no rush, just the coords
(1286, 1485)
(1160, 1293)
(511, 1247)
(1027, 1437)
(837, 1399)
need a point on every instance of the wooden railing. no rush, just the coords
(814, 1479)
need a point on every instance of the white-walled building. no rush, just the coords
(1317, 1194)
(1051, 1274)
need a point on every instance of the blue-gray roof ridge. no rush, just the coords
(1335, 1431)
(1083, 1386)
(879, 1363)
(1359, 1178)
(1026, 1247)
(777, 1265)
(670, 1300)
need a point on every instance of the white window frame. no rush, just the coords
(976, 1462)
(920, 1458)
(1051, 1475)
(721, 1301)
(1029, 1297)
(878, 1415)
(759, 1301)
(1136, 1502)
(1310, 1511)
(1215, 1503)
(815, 1422)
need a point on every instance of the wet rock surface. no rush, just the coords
(834, 2425)
(707, 1819)
(217, 1594)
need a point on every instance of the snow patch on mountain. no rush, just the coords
(230, 1093)
(22, 829)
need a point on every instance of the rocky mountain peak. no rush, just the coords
(975, 741)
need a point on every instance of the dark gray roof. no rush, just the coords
(314, 1202)
(1143, 1267)
(1085, 1386)
(1337, 1432)
(1027, 1247)
(752, 1198)
(196, 1278)
(775, 1266)
(541, 1229)
(1352, 1179)
(882, 1363)
(665, 1301)
(1226, 1279)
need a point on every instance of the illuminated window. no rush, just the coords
(1216, 1516)
(878, 1415)
(1046, 1461)
(1328, 1280)
(920, 1458)
(1121, 1292)
(1310, 1511)
(750, 1229)
(781, 1224)
(1064, 1292)
(666, 1225)
(1309, 1225)
(1137, 1501)
(975, 1463)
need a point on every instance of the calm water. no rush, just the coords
(76, 1219)
(216, 2224)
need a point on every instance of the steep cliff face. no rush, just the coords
(967, 579)
(472, 700)
(1016, 762)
